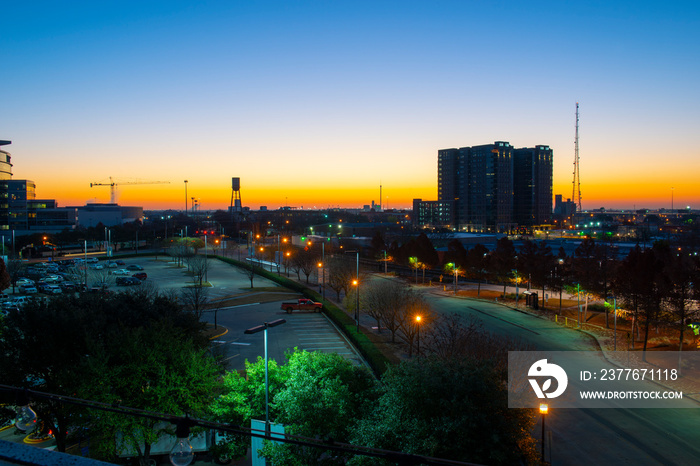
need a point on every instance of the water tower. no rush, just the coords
(236, 195)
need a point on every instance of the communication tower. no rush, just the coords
(577, 176)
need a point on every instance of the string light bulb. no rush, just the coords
(182, 453)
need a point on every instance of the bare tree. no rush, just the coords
(195, 299)
(305, 260)
(414, 314)
(341, 272)
(198, 266)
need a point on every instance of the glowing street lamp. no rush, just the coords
(544, 409)
(418, 321)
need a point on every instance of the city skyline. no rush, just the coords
(316, 104)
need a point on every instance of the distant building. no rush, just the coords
(532, 185)
(433, 213)
(5, 174)
(27, 214)
(108, 215)
(494, 186)
(563, 209)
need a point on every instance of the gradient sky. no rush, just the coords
(314, 104)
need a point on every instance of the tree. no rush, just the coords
(457, 254)
(454, 409)
(503, 260)
(322, 396)
(198, 266)
(319, 395)
(477, 262)
(5, 281)
(154, 370)
(682, 271)
(305, 260)
(340, 273)
(195, 298)
(536, 259)
(73, 345)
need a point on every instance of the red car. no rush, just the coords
(140, 275)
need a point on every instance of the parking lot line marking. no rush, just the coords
(326, 349)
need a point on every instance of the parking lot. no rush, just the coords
(244, 308)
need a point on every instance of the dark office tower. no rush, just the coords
(532, 182)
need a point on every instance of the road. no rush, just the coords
(591, 436)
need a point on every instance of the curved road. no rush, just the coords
(591, 436)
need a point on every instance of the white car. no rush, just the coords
(121, 272)
(53, 279)
(97, 266)
(52, 289)
(24, 281)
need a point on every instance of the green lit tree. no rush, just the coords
(455, 409)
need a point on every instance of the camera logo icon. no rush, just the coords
(547, 371)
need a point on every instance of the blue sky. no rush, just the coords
(340, 95)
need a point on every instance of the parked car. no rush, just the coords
(121, 272)
(112, 265)
(134, 267)
(97, 266)
(119, 262)
(53, 279)
(140, 275)
(128, 281)
(68, 286)
(24, 281)
(29, 289)
(17, 301)
(52, 289)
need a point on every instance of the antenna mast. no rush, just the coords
(577, 177)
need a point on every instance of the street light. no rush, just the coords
(561, 284)
(261, 328)
(418, 321)
(516, 280)
(615, 320)
(454, 269)
(185, 198)
(543, 411)
(356, 283)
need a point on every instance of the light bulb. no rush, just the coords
(182, 454)
(26, 419)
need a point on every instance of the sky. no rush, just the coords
(314, 104)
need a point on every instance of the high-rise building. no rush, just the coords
(495, 186)
(5, 174)
(532, 185)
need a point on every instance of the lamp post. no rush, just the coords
(454, 282)
(561, 285)
(615, 325)
(263, 328)
(418, 321)
(578, 302)
(516, 280)
(356, 283)
(543, 410)
(185, 197)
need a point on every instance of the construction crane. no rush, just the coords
(113, 186)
